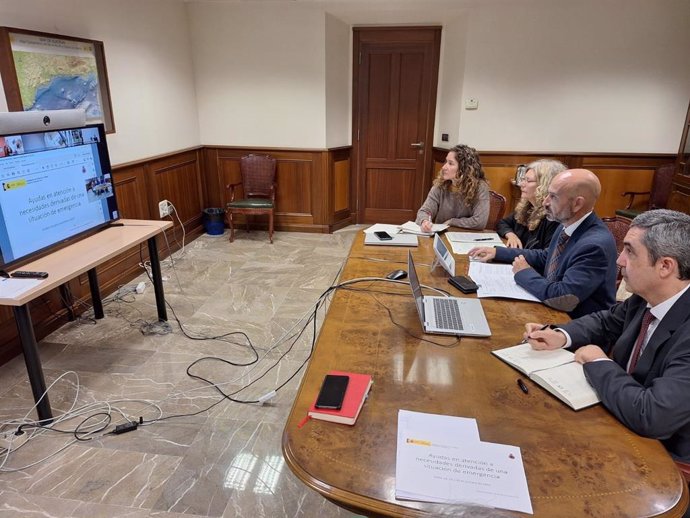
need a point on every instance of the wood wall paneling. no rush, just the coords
(178, 180)
(617, 172)
(341, 185)
(306, 185)
(341, 210)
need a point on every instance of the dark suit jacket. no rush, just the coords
(655, 400)
(586, 275)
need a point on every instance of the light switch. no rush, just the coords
(471, 103)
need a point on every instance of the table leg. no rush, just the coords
(157, 279)
(95, 294)
(33, 362)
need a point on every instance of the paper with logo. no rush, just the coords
(440, 459)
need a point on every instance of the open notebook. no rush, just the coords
(556, 371)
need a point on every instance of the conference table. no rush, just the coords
(582, 463)
(66, 263)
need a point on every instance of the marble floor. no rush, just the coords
(202, 455)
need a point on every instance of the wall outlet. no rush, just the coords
(164, 208)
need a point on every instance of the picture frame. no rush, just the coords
(44, 71)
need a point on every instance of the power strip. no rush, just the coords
(10, 441)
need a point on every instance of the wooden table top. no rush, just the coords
(83, 254)
(577, 463)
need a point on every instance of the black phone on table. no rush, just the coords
(383, 236)
(463, 283)
(332, 392)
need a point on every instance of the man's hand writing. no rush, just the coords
(543, 339)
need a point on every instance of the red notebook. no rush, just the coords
(355, 395)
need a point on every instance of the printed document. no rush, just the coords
(10, 288)
(496, 280)
(463, 242)
(440, 459)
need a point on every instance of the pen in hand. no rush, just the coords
(522, 386)
(542, 328)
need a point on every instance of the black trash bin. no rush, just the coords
(214, 221)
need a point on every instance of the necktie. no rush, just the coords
(647, 319)
(552, 266)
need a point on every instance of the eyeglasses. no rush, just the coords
(525, 180)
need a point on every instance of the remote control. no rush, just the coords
(30, 275)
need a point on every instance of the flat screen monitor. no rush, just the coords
(55, 186)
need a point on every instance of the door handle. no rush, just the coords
(418, 145)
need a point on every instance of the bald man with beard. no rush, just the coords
(577, 273)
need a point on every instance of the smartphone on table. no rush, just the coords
(383, 236)
(332, 392)
(463, 283)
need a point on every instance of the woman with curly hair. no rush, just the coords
(528, 227)
(460, 194)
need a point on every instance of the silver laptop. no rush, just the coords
(447, 315)
(443, 256)
(398, 240)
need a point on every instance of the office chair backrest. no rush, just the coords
(497, 208)
(661, 186)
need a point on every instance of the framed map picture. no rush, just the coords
(42, 71)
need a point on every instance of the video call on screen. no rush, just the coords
(53, 186)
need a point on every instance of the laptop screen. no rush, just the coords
(443, 255)
(416, 288)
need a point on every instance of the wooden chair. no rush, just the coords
(618, 226)
(658, 194)
(259, 188)
(497, 208)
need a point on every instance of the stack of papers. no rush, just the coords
(441, 459)
(412, 228)
(406, 228)
(497, 280)
(10, 288)
(463, 242)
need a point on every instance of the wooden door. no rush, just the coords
(395, 73)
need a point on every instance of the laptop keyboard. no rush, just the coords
(447, 314)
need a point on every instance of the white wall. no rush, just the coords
(586, 75)
(338, 82)
(600, 76)
(260, 72)
(149, 63)
(450, 80)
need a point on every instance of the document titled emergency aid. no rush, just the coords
(441, 459)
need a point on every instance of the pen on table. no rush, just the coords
(522, 386)
(485, 239)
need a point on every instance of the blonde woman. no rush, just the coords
(528, 227)
(460, 194)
